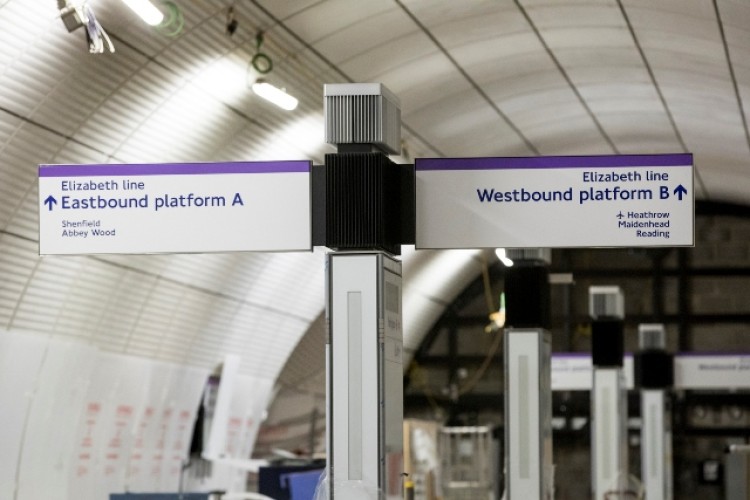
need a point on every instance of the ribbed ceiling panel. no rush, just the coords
(308, 358)
(21, 152)
(16, 265)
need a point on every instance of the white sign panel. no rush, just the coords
(562, 201)
(712, 371)
(175, 208)
(572, 371)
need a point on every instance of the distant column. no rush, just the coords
(609, 403)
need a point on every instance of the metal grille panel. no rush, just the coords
(363, 119)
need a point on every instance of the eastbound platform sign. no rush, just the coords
(175, 208)
(559, 201)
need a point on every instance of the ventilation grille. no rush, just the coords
(366, 118)
(530, 254)
(606, 302)
(652, 336)
(362, 202)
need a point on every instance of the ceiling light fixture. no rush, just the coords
(502, 255)
(146, 11)
(275, 95)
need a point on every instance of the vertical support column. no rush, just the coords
(528, 412)
(529, 472)
(737, 472)
(368, 200)
(609, 457)
(609, 454)
(654, 375)
(364, 376)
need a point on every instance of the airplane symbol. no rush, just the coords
(620, 215)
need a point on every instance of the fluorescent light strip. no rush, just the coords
(502, 255)
(275, 95)
(146, 11)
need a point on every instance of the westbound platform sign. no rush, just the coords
(557, 201)
(175, 208)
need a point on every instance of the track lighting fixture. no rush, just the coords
(273, 94)
(146, 11)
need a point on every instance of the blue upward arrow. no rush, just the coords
(679, 191)
(50, 201)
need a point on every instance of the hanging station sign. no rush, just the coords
(174, 208)
(555, 201)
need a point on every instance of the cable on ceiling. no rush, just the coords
(261, 62)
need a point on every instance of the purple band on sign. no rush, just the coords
(571, 355)
(712, 354)
(541, 162)
(265, 167)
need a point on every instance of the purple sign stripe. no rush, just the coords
(702, 354)
(579, 355)
(570, 355)
(609, 161)
(723, 354)
(112, 169)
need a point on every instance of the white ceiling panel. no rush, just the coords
(323, 19)
(465, 125)
(366, 33)
(389, 56)
(654, 134)
(471, 18)
(428, 70)
(567, 134)
(584, 37)
(504, 54)
(623, 98)
(284, 9)
(559, 103)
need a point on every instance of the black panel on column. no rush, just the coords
(607, 342)
(653, 369)
(363, 202)
(527, 296)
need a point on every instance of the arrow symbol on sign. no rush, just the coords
(679, 191)
(50, 201)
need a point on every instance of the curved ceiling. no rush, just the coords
(475, 78)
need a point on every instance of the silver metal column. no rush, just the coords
(609, 409)
(528, 414)
(529, 471)
(364, 376)
(654, 376)
(364, 222)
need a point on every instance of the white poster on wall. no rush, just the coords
(104, 437)
(58, 403)
(183, 399)
(20, 361)
(143, 474)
